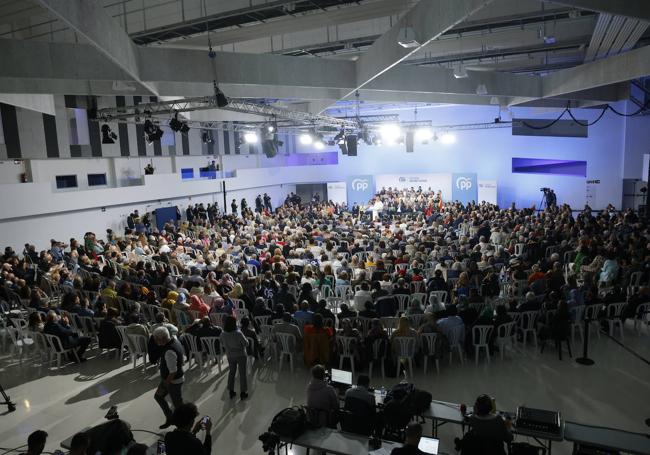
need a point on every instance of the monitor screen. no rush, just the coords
(342, 376)
(428, 445)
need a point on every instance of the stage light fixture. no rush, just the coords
(152, 131)
(108, 137)
(390, 133)
(175, 124)
(250, 137)
(319, 145)
(206, 136)
(306, 139)
(423, 135)
(270, 128)
(448, 138)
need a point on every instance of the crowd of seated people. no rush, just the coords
(303, 270)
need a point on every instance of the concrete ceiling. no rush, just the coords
(320, 51)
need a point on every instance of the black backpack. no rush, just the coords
(290, 422)
(407, 401)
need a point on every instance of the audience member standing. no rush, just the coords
(171, 373)
(235, 344)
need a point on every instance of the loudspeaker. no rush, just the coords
(351, 143)
(269, 148)
(409, 141)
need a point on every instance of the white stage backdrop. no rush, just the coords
(404, 181)
(337, 192)
(487, 191)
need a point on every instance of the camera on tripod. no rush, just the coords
(545, 190)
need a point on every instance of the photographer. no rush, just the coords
(183, 439)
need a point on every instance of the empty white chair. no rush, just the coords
(57, 349)
(405, 351)
(213, 351)
(506, 336)
(346, 350)
(138, 349)
(194, 353)
(429, 345)
(591, 314)
(333, 303)
(121, 330)
(613, 315)
(578, 320)
(456, 342)
(19, 342)
(480, 339)
(642, 316)
(528, 319)
(286, 342)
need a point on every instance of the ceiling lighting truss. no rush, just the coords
(168, 108)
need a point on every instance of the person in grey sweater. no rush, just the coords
(235, 344)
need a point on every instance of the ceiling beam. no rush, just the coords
(428, 19)
(291, 24)
(58, 68)
(619, 68)
(90, 20)
(637, 9)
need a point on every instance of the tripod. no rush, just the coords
(543, 202)
(7, 400)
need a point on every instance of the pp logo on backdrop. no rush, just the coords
(360, 184)
(463, 183)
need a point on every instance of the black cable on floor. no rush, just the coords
(628, 349)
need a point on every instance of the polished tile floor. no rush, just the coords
(614, 392)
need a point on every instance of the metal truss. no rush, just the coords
(168, 108)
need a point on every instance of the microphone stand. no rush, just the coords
(585, 360)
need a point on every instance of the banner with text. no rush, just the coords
(434, 182)
(487, 191)
(361, 188)
(337, 192)
(464, 188)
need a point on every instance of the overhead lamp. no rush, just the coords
(270, 128)
(481, 89)
(222, 100)
(390, 133)
(108, 136)
(407, 39)
(319, 145)
(306, 139)
(251, 137)
(423, 135)
(448, 138)
(460, 72)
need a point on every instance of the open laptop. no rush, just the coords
(341, 379)
(429, 445)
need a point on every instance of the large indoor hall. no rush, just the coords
(383, 227)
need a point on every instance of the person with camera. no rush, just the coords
(183, 439)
